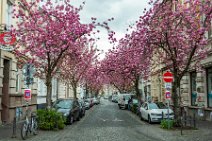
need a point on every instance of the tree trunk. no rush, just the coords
(137, 92)
(86, 90)
(49, 90)
(75, 90)
(175, 98)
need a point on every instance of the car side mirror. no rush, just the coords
(146, 108)
(124, 99)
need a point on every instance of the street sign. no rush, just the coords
(168, 77)
(168, 94)
(7, 38)
(168, 86)
(27, 94)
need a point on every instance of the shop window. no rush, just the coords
(193, 77)
(209, 87)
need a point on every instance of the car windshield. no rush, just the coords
(135, 101)
(153, 106)
(127, 97)
(64, 104)
(161, 106)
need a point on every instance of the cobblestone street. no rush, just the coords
(105, 122)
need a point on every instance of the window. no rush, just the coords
(193, 88)
(9, 13)
(209, 87)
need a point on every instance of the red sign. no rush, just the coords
(168, 94)
(168, 77)
(27, 94)
(7, 38)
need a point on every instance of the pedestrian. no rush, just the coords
(129, 101)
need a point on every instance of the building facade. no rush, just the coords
(195, 89)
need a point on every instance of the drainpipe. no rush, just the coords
(1, 11)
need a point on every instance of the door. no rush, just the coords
(143, 110)
(5, 92)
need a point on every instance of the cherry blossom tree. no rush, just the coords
(126, 64)
(115, 75)
(177, 33)
(75, 65)
(46, 31)
(94, 78)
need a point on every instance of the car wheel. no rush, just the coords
(71, 119)
(119, 107)
(78, 118)
(149, 119)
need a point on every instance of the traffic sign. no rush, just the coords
(168, 77)
(168, 85)
(7, 38)
(27, 94)
(168, 94)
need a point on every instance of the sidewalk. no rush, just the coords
(203, 133)
(6, 131)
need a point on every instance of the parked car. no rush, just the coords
(152, 113)
(115, 98)
(70, 109)
(123, 100)
(90, 101)
(82, 108)
(96, 101)
(133, 105)
(87, 105)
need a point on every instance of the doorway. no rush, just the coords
(5, 92)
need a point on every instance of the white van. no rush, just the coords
(123, 100)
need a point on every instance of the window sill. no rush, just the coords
(208, 109)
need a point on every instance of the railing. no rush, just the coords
(187, 120)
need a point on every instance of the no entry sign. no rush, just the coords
(168, 77)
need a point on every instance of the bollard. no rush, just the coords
(181, 125)
(14, 128)
(162, 116)
(194, 120)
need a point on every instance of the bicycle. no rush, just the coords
(30, 125)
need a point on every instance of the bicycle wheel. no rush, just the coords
(34, 126)
(24, 130)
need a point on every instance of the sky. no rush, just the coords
(124, 12)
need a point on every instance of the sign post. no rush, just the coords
(28, 72)
(168, 79)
